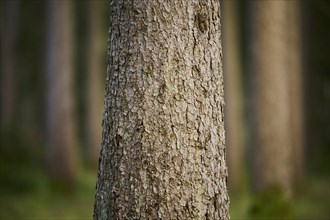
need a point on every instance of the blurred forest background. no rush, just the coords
(277, 84)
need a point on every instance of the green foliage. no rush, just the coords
(19, 164)
(312, 201)
(26, 191)
(271, 204)
(45, 203)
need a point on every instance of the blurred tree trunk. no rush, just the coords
(233, 93)
(317, 84)
(295, 73)
(95, 79)
(9, 26)
(163, 147)
(61, 139)
(272, 162)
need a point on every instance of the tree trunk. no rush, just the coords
(61, 143)
(296, 104)
(234, 120)
(95, 80)
(163, 147)
(317, 85)
(9, 26)
(272, 165)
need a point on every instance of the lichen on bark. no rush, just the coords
(163, 147)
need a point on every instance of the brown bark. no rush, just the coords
(234, 120)
(61, 142)
(272, 156)
(163, 147)
(97, 56)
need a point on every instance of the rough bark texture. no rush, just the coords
(272, 162)
(163, 145)
(95, 80)
(60, 116)
(234, 120)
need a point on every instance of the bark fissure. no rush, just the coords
(163, 140)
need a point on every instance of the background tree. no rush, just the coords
(272, 153)
(317, 83)
(234, 120)
(9, 29)
(295, 74)
(61, 141)
(95, 87)
(163, 147)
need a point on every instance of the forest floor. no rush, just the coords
(312, 202)
(27, 193)
(46, 203)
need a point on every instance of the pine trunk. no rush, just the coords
(296, 97)
(273, 144)
(9, 28)
(272, 162)
(163, 147)
(59, 81)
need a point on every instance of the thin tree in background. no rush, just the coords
(272, 153)
(234, 120)
(163, 147)
(316, 67)
(9, 28)
(60, 121)
(95, 81)
(296, 98)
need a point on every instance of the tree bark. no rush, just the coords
(234, 120)
(163, 146)
(61, 139)
(272, 162)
